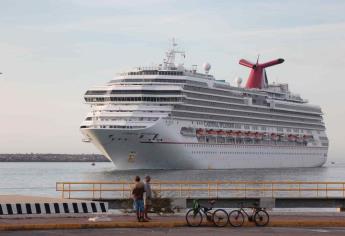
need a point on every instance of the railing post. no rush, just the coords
(272, 189)
(208, 185)
(217, 190)
(189, 190)
(93, 191)
(69, 191)
(63, 190)
(299, 189)
(181, 190)
(245, 190)
(317, 190)
(326, 190)
(123, 190)
(100, 191)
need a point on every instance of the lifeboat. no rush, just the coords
(221, 132)
(291, 137)
(211, 132)
(299, 139)
(308, 138)
(235, 134)
(200, 132)
(230, 134)
(188, 131)
(258, 135)
(240, 134)
(274, 137)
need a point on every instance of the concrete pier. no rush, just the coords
(168, 221)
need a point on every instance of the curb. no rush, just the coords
(305, 223)
(7, 227)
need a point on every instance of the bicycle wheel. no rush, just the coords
(261, 218)
(236, 218)
(220, 218)
(193, 218)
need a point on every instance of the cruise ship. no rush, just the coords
(172, 117)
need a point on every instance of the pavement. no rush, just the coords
(293, 220)
(181, 231)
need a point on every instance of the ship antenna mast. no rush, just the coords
(169, 61)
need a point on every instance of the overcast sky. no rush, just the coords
(51, 52)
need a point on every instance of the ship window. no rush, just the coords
(96, 92)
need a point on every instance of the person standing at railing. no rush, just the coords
(138, 194)
(148, 197)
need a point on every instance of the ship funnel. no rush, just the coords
(257, 77)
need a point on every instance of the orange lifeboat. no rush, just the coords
(200, 132)
(221, 132)
(211, 132)
(240, 134)
(235, 134)
(307, 137)
(252, 135)
(292, 137)
(258, 135)
(274, 136)
(230, 134)
(247, 134)
(299, 139)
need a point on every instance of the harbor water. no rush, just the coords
(39, 178)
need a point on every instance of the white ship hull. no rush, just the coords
(172, 117)
(161, 146)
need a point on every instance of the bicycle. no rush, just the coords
(259, 216)
(194, 216)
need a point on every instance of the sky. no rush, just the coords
(51, 52)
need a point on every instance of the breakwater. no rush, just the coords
(51, 157)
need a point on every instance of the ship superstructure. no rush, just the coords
(170, 117)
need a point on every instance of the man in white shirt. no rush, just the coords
(148, 196)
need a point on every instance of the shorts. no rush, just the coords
(138, 205)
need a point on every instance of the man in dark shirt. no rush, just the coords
(138, 198)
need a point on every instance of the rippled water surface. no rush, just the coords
(40, 178)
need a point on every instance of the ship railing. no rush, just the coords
(204, 189)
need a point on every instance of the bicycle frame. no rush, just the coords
(249, 217)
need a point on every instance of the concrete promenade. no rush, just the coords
(181, 231)
(313, 220)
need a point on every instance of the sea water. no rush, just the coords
(39, 178)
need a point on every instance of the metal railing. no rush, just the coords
(204, 189)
